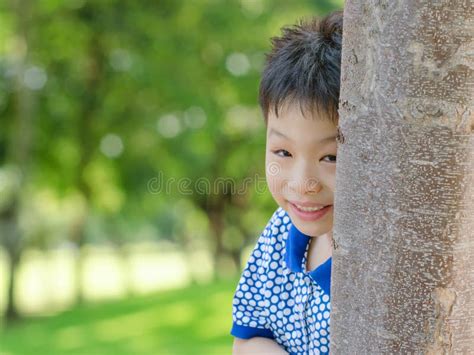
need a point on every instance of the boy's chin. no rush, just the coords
(311, 229)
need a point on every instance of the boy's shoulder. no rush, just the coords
(279, 222)
(275, 235)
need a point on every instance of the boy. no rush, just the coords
(281, 304)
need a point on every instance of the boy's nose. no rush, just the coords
(304, 181)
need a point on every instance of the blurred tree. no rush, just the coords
(90, 92)
(18, 145)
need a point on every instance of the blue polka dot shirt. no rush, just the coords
(277, 298)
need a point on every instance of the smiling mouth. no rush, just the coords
(308, 209)
(310, 213)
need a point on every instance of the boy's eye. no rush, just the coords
(331, 158)
(282, 153)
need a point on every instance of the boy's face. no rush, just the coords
(301, 167)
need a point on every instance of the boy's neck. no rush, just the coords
(320, 249)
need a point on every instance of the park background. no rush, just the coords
(132, 183)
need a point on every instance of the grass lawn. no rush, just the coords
(194, 320)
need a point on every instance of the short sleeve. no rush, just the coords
(250, 317)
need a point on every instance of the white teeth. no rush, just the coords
(309, 209)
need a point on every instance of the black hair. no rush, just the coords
(304, 66)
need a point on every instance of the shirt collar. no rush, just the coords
(296, 246)
(295, 249)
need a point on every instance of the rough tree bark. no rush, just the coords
(403, 271)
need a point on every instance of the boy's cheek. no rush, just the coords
(333, 185)
(331, 181)
(272, 184)
(274, 171)
(276, 189)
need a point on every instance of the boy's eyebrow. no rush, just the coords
(330, 138)
(278, 133)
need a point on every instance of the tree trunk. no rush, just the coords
(11, 242)
(216, 223)
(87, 138)
(18, 153)
(403, 270)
